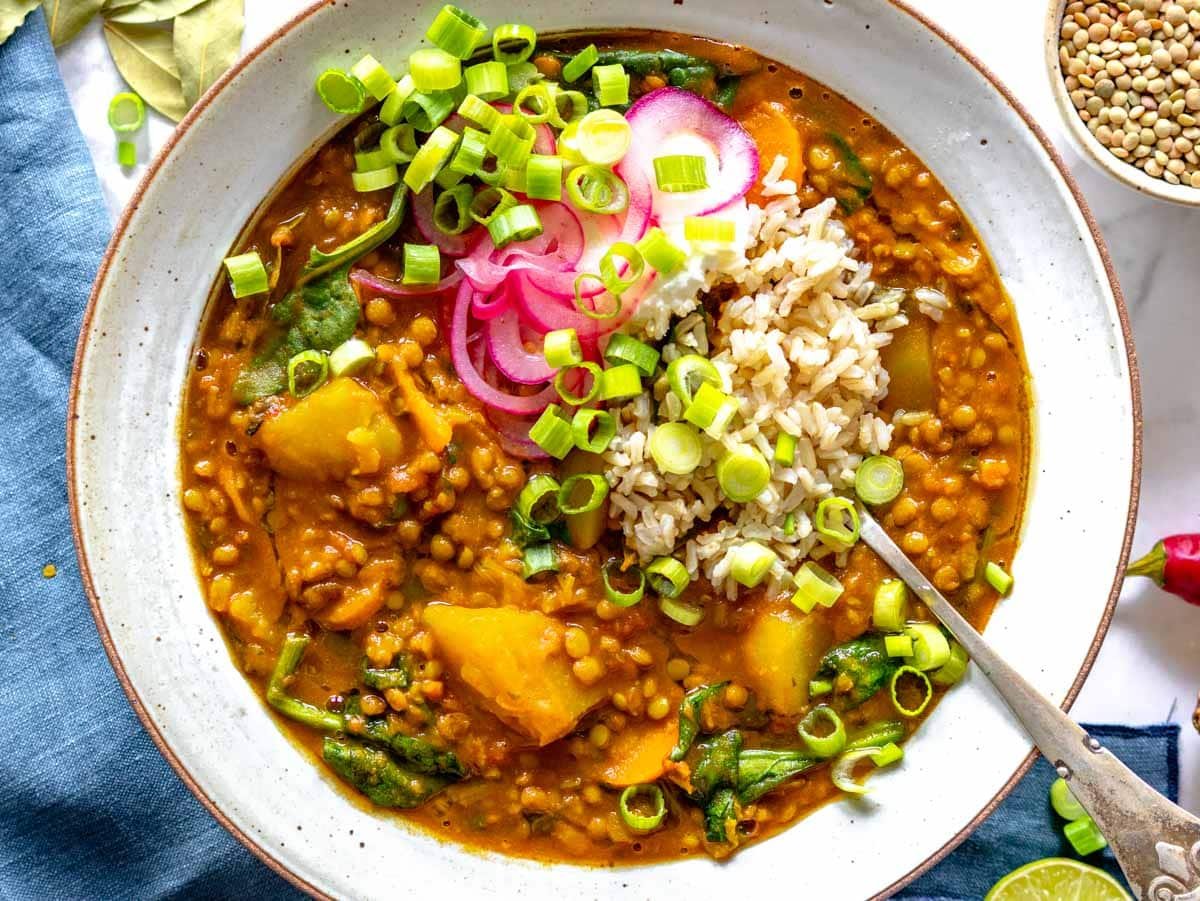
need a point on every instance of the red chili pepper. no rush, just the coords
(1174, 563)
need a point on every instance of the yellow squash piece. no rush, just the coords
(782, 650)
(515, 660)
(340, 429)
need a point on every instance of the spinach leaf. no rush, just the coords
(689, 717)
(378, 775)
(717, 766)
(862, 664)
(760, 770)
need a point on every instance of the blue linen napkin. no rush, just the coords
(88, 807)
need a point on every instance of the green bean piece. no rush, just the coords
(293, 708)
(875, 735)
(692, 78)
(726, 93)
(381, 678)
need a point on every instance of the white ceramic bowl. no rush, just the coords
(150, 296)
(1089, 145)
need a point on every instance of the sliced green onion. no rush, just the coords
(620, 382)
(126, 113)
(552, 432)
(374, 77)
(568, 144)
(366, 160)
(511, 140)
(483, 114)
(603, 137)
(842, 773)
(247, 274)
(455, 31)
(594, 430)
(709, 230)
(1085, 836)
(425, 112)
(433, 155)
(562, 348)
(887, 755)
(890, 611)
(472, 148)
(592, 375)
(597, 189)
(953, 669)
(789, 524)
(611, 84)
(306, 372)
(517, 223)
(832, 742)
(579, 63)
(682, 613)
(597, 491)
(522, 74)
(392, 110)
(634, 266)
(743, 473)
(341, 92)
(487, 80)
(533, 103)
(422, 264)
(879, 479)
(785, 449)
(350, 357)
(898, 645)
(660, 253)
(997, 578)
(452, 210)
(930, 647)
(490, 203)
(433, 69)
(618, 597)
(711, 410)
(543, 177)
(623, 349)
(815, 585)
(639, 822)
(538, 500)
(538, 559)
(680, 173)
(513, 43)
(375, 179)
(818, 687)
(831, 520)
(676, 448)
(751, 562)
(126, 153)
(514, 179)
(576, 107)
(668, 577)
(588, 307)
(686, 374)
(493, 172)
(399, 143)
(1064, 802)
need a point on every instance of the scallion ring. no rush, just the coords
(879, 479)
(660, 253)
(562, 348)
(544, 177)
(569, 107)
(842, 773)
(375, 179)
(399, 143)
(785, 449)
(422, 264)
(517, 223)
(374, 77)
(603, 137)
(621, 348)
(620, 382)
(429, 160)
(597, 189)
(615, 595)
(513, 43)
(366, 160)
(680, 173)
(306, 372)
(815, 586)
(887, 755)
(710, 230)
(682, 613)
(591, 374)
(579, 63)
(391, 111)
(482, 114)
(594, 430)
(490, 203)
(487, 80)
(538, 500)
(425, 112)
(898, 645)
(452, 210)
(997, 578)
(953, 669)
(433, 69)
(711, 410)
(1064, 802)
(926, 689)
(621, 267)
(687, 373)
(931, 648)
(588, 306)
(126, 113)
(831, 742)
(533, 103)
(675, 448)
(455, 31)
(890, 611)
(642, 822)
(350, 356)
(247, 274)
(538, 559)
(341, 92)
(751, 563)
(743, 473)
(611, 84)
(472, 149)
(552, 432)
(837, 519)
(667, 577)
(511, 140)
(596, 487)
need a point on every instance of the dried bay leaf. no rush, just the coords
(208, 40)
(148, 11)
(12, 14)
(145, 57)
(66, 18)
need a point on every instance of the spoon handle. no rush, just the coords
(1156, 843)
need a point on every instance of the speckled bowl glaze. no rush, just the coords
(150, 296)
(1089, 145)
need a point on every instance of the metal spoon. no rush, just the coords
(1156, 843)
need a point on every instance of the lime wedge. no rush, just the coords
(1057, 879)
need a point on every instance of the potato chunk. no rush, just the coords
(340, 429)
(782, 650)
(515, 660)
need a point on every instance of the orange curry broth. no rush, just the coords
(357, 559)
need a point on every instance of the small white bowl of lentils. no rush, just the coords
(1126, 76)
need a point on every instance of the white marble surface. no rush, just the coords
(1148, 670)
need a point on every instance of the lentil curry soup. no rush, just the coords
(522, 475)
